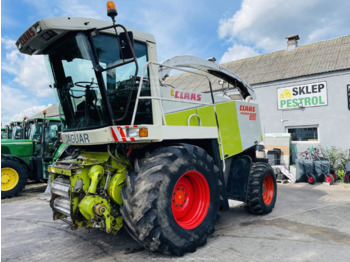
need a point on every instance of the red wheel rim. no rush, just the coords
(328, 179)
(190, 200)
(311, 179)
(346, 176)
(268, 189)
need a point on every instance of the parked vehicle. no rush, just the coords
(159, 159)
(28, 158)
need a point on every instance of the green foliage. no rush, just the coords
(337, 159)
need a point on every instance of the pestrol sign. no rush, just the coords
(308, 95)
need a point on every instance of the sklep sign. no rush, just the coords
(302, 96)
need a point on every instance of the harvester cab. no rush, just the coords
(144, 148)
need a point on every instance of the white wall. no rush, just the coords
(333, 120)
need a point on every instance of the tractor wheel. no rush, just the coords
(262, 189)
(171, 199)
(13, 178)
(329, 179)
(346, 177)
(311, 179)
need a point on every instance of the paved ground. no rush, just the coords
(309, 223)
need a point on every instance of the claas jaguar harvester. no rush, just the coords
(157, 159)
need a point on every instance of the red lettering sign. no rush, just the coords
(27, 36)
(187, 96)
(247, 108)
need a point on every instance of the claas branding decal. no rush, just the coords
(308, 95)
(249, 111)
(178, 94)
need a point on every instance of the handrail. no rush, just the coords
(161, 98)
(138, 97)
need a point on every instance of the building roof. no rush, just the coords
(51, 111)
(321, 57)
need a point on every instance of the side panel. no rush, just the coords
(249, 123)
(229, 128)
(238, 131)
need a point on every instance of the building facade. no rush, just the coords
(303, 90)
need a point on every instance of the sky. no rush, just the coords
(226, 30)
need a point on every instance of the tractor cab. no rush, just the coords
(4, 132)
(45, 133)
(16, 129)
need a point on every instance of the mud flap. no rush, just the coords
(237, 181)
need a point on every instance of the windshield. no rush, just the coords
(52, 140)
(16, 132)
(75, 83)
(91, 98)
(34, 131)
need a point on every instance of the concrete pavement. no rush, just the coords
(309, 223)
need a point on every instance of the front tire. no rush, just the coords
(13, 178)
(262, 189)
(346, 177)
(171, 199)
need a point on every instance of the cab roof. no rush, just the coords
(47, 31)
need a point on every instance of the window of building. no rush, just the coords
(304, 134)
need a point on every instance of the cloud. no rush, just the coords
(27, 71)
(16, 103)
(29, 112)
(264, 24)
(237, 52)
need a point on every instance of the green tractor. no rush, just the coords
(34, 146)
(142, 154)
(4, 132)
(14, 130)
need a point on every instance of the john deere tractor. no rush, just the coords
(154, 158)
(15, 130)
(33, 147)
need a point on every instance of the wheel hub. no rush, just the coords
(5, 178)
(268, 189)
(190, 200)
(9, 178)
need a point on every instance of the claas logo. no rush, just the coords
(285, 94)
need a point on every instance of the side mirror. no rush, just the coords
(125, 50)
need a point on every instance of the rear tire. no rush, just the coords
(13, 178)
(262, 189)
(311, 179)
(154, 207)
